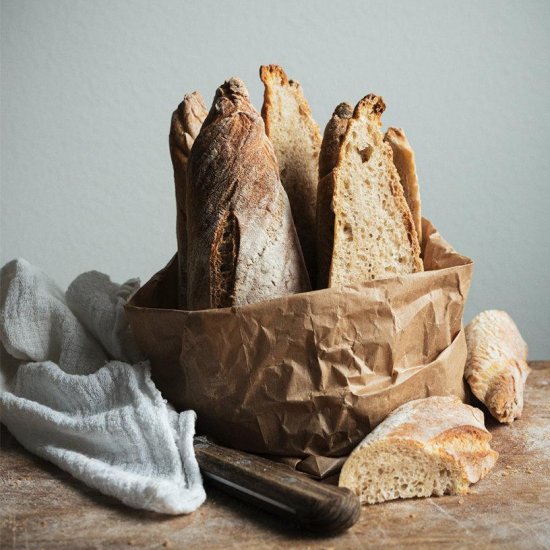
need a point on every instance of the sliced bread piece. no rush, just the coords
(374, 233)
(496, 368)
(431, 446)
(328, 158)
(403, 159)
(186, 123)
(296, 139)
(241, 242)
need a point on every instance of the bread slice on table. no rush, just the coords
(242, 245)
(496, 368)
(431, 446)
(374, 233)
(403, 159)
(296, 139)
(328, 158)
(186, 123)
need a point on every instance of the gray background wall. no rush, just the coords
(87, 90)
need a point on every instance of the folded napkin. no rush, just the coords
(80, 397)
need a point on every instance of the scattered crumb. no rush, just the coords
(508, 467)
(412, 515)
(505, 473)
(131, 542)
(529, 471)
(167, 544)
(43, 523)
(461, 500)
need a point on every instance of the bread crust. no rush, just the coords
(288, 120)
(242, 244)
(496, 367)
(328, 158)
(185, 126)
(440, 432)
(403, 159)
(366, 120)
(332, 138)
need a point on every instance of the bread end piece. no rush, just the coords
(431, 446)
(496, 367)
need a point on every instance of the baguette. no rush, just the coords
(496, 367)
(431, 446)
(328, 158)
(374, 233)
(186, 123)
(403, 159)
(242, 244)
(296, 139)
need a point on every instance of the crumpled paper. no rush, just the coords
(309, 375)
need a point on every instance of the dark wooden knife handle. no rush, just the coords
(277, 488)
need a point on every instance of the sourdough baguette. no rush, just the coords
(186, 123)
(374, 233)
(242, 244)
(403, 159)
(296, 139)
(496, 367)
(328, 158)
(431, 446)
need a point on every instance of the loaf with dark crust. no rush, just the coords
(374, 233)
(328, 158)
(242, 245)
(186, 123)
(296, 139)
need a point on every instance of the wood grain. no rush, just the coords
(43, 507)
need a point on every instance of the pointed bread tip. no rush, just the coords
(373, 105)
(268, 72)
(231, 88)
(344, 110)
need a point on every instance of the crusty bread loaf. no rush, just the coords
(241, 241)
(431, 446)
(403, 159)
(374, 233)
(496, 367)
(186, 123)
(332, 138)
(296, 139)
(328, 158)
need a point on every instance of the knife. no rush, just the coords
(277, 489)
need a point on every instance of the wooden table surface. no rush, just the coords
(43, 507)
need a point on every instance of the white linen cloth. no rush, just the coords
(80, 397)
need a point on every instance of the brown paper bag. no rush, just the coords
(309, 375)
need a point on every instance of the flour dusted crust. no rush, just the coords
(242, 244)
(403, 159)
(186, 123)
(431, 446)
(496, 367)
(296, 140)
(374, 233)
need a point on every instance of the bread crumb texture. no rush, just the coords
(431, 446)
(374, 234)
